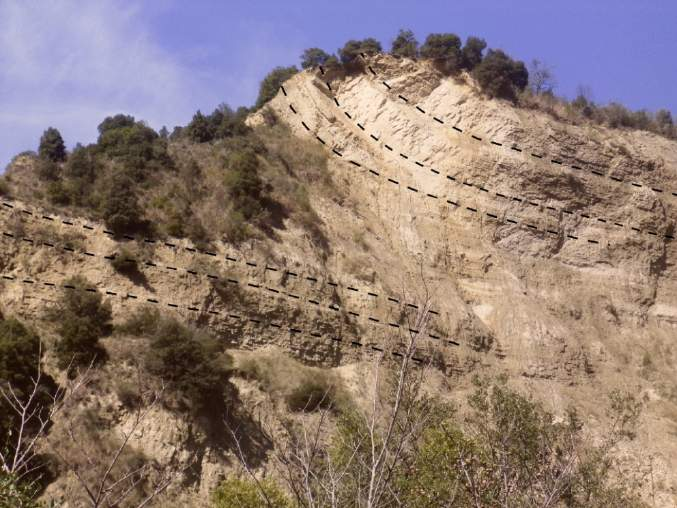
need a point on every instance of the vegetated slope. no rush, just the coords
(562, 277)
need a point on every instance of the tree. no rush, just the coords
(118, 121)
(120, 207)
(271, 84)
(352, 49)
(541, 78)
(314, 57)
(472, 52)
(244, 184)
(52, 147)
(240, 493)
(83, 319)
(405, 44)
(198, 129)
(664, 121)
(445, 49)
(500, 76)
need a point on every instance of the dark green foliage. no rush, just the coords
(222, 123)
(124, 262)
(271, 83)
(52, 147)
(405, 44)
(472, 52)
(19, 362)
(4, 187)
(445, 49)
(119, 207)
(47, 170)
(79, 173)
(352, 49)
(15, 493)
(314, 57)
(187, 361)
(115, 122)
(500, 76)
(664, 122)
(312, 394)
(83, 318)
(245, 187)
(57, 193)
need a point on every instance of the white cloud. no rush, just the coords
(69, 64)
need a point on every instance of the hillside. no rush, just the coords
(545, 250)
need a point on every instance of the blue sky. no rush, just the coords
(68, 64)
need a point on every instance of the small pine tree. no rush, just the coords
(83, 319)
(52, 147)
(120, 208)
(472, 52)
(353, 48)
(199, 129)
(271, 83)
(445, 49)
(500, 76)
(405, 44)
(314, 57)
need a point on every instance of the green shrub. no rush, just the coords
(500, 76)
(199, 129)
(47, 169)
(15, 493)
(246, 189)
(405, 44)
(445, 49)
(222, 123)
(187, 361)
(83, 318)
(4, 187)
(19, 359)
(313, 393)
(52, 147)
(124, 262)
(142, 323)
(352, 49)
(472, 52)
(119, 206)
(314, 57)
(239, 493)
(271, 83)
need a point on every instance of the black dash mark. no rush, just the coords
(352, 288)
(320, 140)
(292, 109)
(670, 237)
(373, 137)
(375, 172)
(656, 190)
(616, 179)
(111, 293)
(272, 290)
(152, 300)
(496, 143)
(68, 223)
(8, 205)
(619, 224)
(437, 119)
(418, 164)
(431, 196)
(482, 189)
(531, 226)
(395, 353)
(283, 90)
(573, 166)
(634, 229)
(7, 277)
(250, 284)
(230, 258)
(210, 276)
(374, 319)
(234, 316)
(52, 245)
(89, 254)
(337, 152)
(386, 85)
(274, 325)
(253, 320)
(377, 349)
(533, 203)
(457, 129)
(190, 249)
(306, 127)
(372, 294)
(371, 70)
(312, 279)
(232, 281)
(593, 241)
(653, 233)
(498, 194)
(435, 171)
(596, 172)
(388, 147)
(453, 178)
(453, 342)
(390, 299)
(27, 212)
(599, 219)
(394, 325)
(10, 235)
(393, 181)
(511, 221)
(329, 85)
(552, 232)
(355, 163)
(536, 155)
(28, 281)
(337, 102)
(551, 208)
(354, 343)
(171, 268)
(468, 184)
(514, 148)
(635, 184)
(403, 156)
(568, 212)
(133, 297)
(451, 202)
(403, 98)
(69, 249)
(412, 189)
(173, 305)
(314, 302)
(585, 216)
(360, 126)
(295, 297)
(295, 330)
(492, 215)
(471, 209)
(321, 69)
(421, 110)
(572, 237)
(555, 161)
(476, 138)
(413, 306)
(293, 274)
(47, 217)
(347, 114)
(315, 334)
(517, 199)
(434, 312)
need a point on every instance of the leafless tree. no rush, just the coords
(396, 414)
(541, 77)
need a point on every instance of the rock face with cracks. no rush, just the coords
(547, 250)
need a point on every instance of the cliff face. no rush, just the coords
(547, 250)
